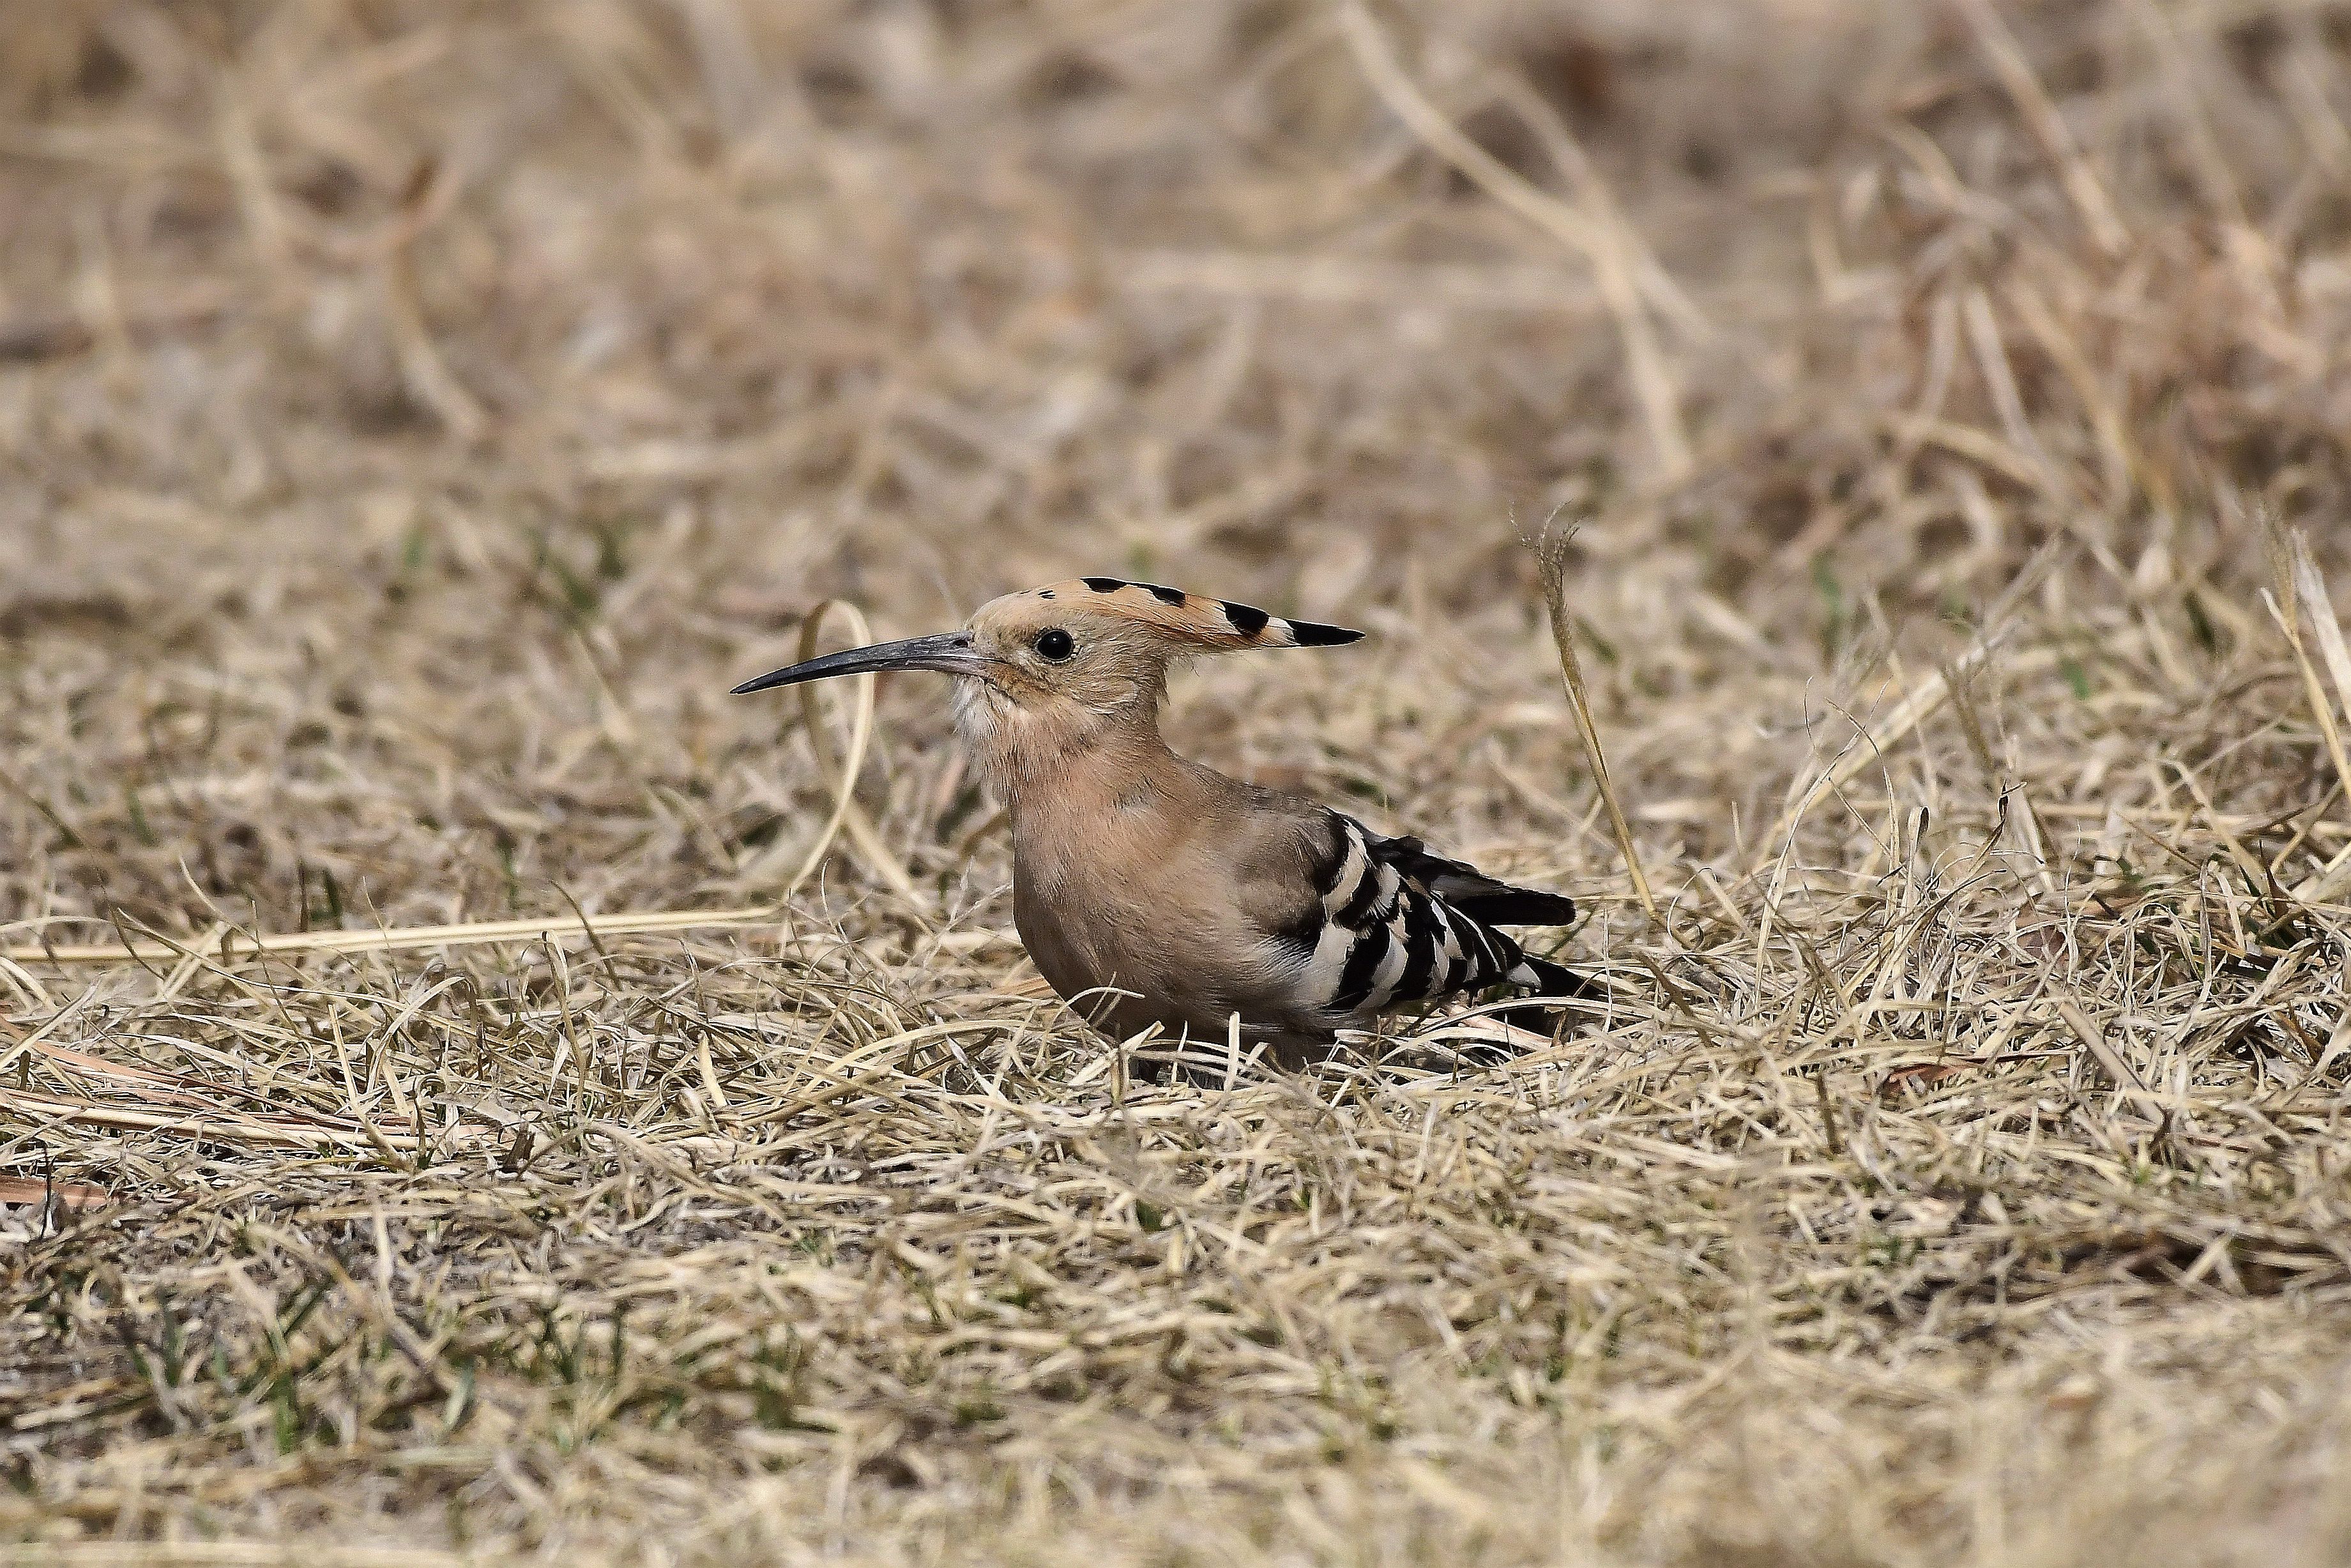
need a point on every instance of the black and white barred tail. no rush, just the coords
(1397, 924)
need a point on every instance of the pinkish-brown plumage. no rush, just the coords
(1150, 890)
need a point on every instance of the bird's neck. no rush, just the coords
(1042, 755)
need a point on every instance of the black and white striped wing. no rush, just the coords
(1385, 937)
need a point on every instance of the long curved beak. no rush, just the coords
(950, 653)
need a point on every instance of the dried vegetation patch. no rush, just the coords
(424, 1135)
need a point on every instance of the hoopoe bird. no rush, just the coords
(1151, 890)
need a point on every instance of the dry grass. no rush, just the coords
(415, 416)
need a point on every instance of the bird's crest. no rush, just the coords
(1193, 618)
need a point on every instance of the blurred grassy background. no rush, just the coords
(471, 377)
(413, 417)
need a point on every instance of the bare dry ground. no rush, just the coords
(414, 416)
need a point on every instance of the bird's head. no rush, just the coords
(1047, 669)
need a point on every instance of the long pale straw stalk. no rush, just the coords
(1550, 552)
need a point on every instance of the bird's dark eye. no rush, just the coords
(1055, 645)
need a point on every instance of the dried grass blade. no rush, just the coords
(1601, 243)
(841, 776)
(2048, 126)
(1922, 702)
(2310, 588)
(2110, 1062)
(1550, 552)
(2329, 732)
(234, 945)
(2303, 588)
(215, 1125)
